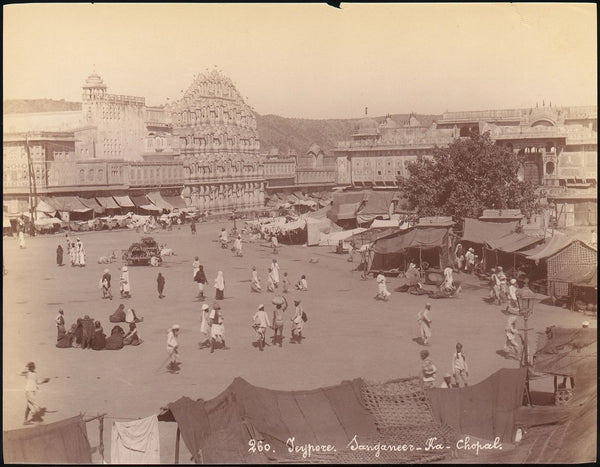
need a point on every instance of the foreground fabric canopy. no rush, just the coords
(513, 242)
(397, 242)
(66, 203)
(63, 442)
(124, 201)
(223, 426)
(477, 231)
(563, 351)
(486, 410)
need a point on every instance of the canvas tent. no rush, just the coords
(63, 442)
(423, 244)
(378, 204)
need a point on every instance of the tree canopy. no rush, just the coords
(470, 175)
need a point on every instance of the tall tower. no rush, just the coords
(94, 91)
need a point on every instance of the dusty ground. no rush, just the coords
(348, 334)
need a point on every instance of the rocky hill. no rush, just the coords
(285, 134)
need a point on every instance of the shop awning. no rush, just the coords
(143, 203)
(549, 248)
(67, 203)
(156, 198)
(513, 242)
(107, 202)
(175, 201)
(124, 201)
(44, 207)
(431, 237)
(477, 231)
(92, 204)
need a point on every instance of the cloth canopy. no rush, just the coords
(135, 442)
(175, 201)
(156, 199)
(549, 248)
(562, 351)
(378, 204)
(67, 203)
(333, 238)
(107, 201)
(142, 202)
(476, 231)
(63, 442)
(92, 204)
(343, 211)
(44, 207)
(486, 410)
(124, 201)
(428, 237)
(222, 427)
(513, 242)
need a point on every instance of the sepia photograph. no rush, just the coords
(335, 233)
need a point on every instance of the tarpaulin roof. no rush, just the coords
(156, 199)
(377, 204)
(477, 231)
(486, 410)
(397, 242)
(67, 203)
(63, 442)
(513, 242)
(550, 247)
(108, 202)
(124, 201)
(92, 204)
(561, 351)
(222, 427)
(175, 201)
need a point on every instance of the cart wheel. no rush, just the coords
(562, 396)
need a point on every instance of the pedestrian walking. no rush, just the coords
(513, 304)
(193, 226)
(494, 295)
(285, 283)
(105, 284)
(470, 260)
(220, 286)
(424, 324)
(59, 255)
(237, 246)
(502, 285)
(32, 382)
(125, 284)
(173, 349)
(459, 256)
(217, 329)
(223, 238)
(278, 321)
(270, 281)
(298, 321)
(73, 254)
(274, 244)
(382, 291)
(428, 370)
(255, 282)
(80, 253)
(200, 279)
(160, 285)
(195, 267)
(205, 326)
(275, 269)
(512, 347)
(260, 325)
(21, 239)
(460, 369)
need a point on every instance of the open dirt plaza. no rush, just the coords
(348, 333)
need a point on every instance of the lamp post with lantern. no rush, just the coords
(526, 299)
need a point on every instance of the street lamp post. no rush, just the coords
(526, 299)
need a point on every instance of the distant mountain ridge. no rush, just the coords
(285, 134)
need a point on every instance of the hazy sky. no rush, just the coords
(311, 61)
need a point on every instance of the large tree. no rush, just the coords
(470, 175)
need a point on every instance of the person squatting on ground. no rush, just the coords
(424, 324)
(60, 325)
(32, 382)
(131, 316)
(173, 349)
(99, 338)
(428, 370)
(278, 321)
(105, 284)
(125, 284)
(285, 283)
(460, 368)
(302, 284)
(255, 282)
(87, 326)
(382, 291)
(132, 337)
(260, 325)
(200, 278)
(220, 286)
(297, 323)
(160, 285)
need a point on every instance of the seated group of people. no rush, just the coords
(88, 334)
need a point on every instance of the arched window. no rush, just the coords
(549, 168)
